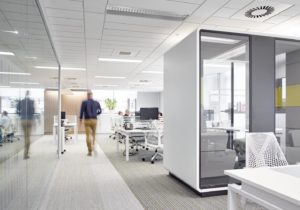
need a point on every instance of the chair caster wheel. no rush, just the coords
(137, 150)
(143, 159)
(147, 148)
(152, 162)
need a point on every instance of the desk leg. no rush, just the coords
(230, 140)
(127, 147)
(54, 133)
(76, 133)
(117, 140)
(232, 201)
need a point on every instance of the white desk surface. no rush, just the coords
(267, 179)
(66, 124)
(137, 131)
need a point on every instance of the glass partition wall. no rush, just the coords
(287, 98)
(27, 156)
(224, 105)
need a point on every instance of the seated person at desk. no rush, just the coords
(5, 123)
(126, 118)
(160, 117)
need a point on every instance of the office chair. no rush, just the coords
(263, 150)
(154, 140)
(9, 133)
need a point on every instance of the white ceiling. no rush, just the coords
(82, 32)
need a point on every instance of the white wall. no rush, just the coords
(148, 99)
(181, 110)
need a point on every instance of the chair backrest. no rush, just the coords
(155, 139)
(263, 150)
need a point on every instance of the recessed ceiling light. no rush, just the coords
(109, 77)
(259, 12)
(106, 85)
(238, 51)
(15, 73)
(218, 40)
(153, 72)
(75, 69)
(216, 65)
(13, 32)
(62, 68)
(144, 13)
(139, 83)
(119, 60)
(31, 57)
(25, 83)
(7, 53)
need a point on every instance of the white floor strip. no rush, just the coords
(87, 183)
(76, 181)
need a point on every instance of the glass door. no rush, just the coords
(224, 106)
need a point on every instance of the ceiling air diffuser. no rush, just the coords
(259, 12)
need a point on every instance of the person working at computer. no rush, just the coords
(25, 109)
(4, 125)
(89, 111)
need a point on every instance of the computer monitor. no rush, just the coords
(63, 115)
(149, 113)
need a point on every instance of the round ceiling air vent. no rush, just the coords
(259, 12)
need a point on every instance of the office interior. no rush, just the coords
(215, 76)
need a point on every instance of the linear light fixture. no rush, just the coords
(153, 72)
(106, 85)
(7, 53)
(62, 68)
(13, 32)
(109, 77)
(25, 83)
(139, 83)
(14, 73)
(4, 86)
(31, 57)
(216, 65)
(232, 53)
(144, 13)
(218, 40)
(119, 60)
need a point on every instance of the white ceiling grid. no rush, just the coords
(81, 36)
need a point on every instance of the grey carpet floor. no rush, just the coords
(152, 185)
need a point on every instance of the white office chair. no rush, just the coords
(155, 141)
(263, 150)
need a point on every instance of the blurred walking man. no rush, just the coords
(89, 111)
(25, 109)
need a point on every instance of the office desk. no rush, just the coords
(230, 131)
(127, 134)
(273, 188)
(66, 125)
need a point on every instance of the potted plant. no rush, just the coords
(110, 104)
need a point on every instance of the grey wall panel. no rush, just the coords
(293, 68)
(293, 57)
(293, 117)
(148, 99)
(262, 84)
(181, 101)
